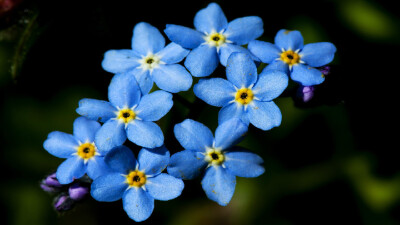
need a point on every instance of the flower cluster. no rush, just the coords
(97, 148)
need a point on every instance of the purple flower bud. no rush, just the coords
(306, 93)
(325, 70)
(48, 189)
(77, 192)
(63, 203)
(52, 181)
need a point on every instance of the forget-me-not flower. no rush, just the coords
(137, 182)
(289, 55)
(128, 114)
(149, 61)
(216, 158)
(245, 95)
(80, 150)
(214, 38)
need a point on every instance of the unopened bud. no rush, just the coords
(63, 203)
(325, 70)
(52, 181)
(305, 93)
(77, 191)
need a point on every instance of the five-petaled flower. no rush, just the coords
(245, 95)
(149, 61)
(290, 56)
(128, 114)
(80, 150)
(137, 182)
(217, 158)
(214, 38)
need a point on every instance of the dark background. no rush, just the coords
(332, 161)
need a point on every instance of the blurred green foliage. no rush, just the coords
(321, 164)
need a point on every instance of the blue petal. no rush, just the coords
(184, 36)
(154, 106)
(287, 39)
(109, 188)
(70, 169)
(243, 163)
(96, 109)
(153, 161)
(97, 167)
(193, 135)
(230, 111)
(210, 19)
(318, 54)
(215, 91)
(172, 78)
(219, 184)
(110, 135)
(243, 30)
(307, 75)
(147, 39)
(265, 51)
(144, 133)
(138, 204)
(270, 85)
(241, 70)
(85, 129)
(229, 133)
(264, 115)
(124, 91)
(172, 53)
(60, 144)
(186, 164)
(121, 159)
(277, 65)
(226, 51)
(119, 61)
(202, 61)
(143, 79)
(164, 187)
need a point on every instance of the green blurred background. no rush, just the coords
(332, 161)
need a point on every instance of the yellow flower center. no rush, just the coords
(136, 178)
(150, 62)
(126, 115)
(290, 57)
(86, 151)
(244, 96)
(214, 156)
(215, 39)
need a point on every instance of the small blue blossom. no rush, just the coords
(80, 151)
(217, 159)
(214, 38)
(149, 61)
(128, 114)
(245, 95)
(290, 56)
(137, 182)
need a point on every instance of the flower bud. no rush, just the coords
(325, 70)
(305, 93)
(63, 203)
(77, 191)
(48, 189)
(52, 181)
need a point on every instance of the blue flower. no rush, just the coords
(215, 158)
(128, 114)
(150, 61)
(245, 95)
(80, 150)
(214, 38)
(138, 183)
(290, 56)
